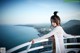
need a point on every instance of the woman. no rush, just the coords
(57, 33)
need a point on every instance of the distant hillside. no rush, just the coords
(72, 27)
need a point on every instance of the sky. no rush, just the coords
(37, 11)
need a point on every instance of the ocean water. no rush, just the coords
(11, 36)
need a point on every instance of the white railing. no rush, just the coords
(36, 48)
(23, 45)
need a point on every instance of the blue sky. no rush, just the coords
(37, 11)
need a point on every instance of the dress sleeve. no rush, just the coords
(68, 35)
(53, 32)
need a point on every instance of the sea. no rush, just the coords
(12, 35)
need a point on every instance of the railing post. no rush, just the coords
(2, 50)
(28, 48)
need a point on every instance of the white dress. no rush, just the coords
(59, 34)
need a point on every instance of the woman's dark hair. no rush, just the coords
(55, 18)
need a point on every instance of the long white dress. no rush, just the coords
(59, 34)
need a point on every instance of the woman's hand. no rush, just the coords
(32, 41)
